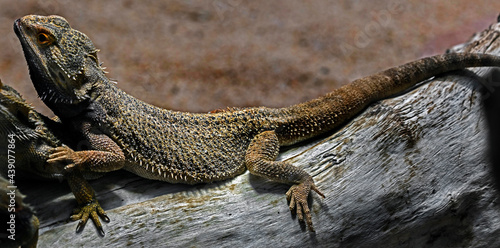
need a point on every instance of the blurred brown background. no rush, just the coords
(204, 55)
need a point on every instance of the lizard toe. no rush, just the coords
(92, 210)
(297, 195)
(61, 156)
(83, 221)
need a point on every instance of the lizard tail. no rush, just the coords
(400, 78)
(312, 118)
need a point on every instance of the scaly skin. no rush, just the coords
(177, 147)
(31, 152)
(35, 137)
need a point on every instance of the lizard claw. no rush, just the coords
(297, 195)
(92, 210)
(64, 155)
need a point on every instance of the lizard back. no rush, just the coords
(177, 146)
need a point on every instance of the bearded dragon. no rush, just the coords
(31, 136)
(180, 147)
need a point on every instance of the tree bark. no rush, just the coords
(414, 170)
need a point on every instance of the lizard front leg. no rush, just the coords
(88, 206)
(106, 157)
(260, 160)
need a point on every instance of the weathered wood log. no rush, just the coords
(413, 170)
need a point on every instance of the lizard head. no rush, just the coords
(62, 61)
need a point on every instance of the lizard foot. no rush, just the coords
(92, 210)
(297, 195)
(62, 155)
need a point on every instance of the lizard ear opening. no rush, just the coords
(93, 56)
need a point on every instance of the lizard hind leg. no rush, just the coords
(260, 160)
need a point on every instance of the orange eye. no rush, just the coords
(43, 39)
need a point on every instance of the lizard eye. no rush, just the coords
(43, 39)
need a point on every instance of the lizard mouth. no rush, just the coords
(45, 80)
